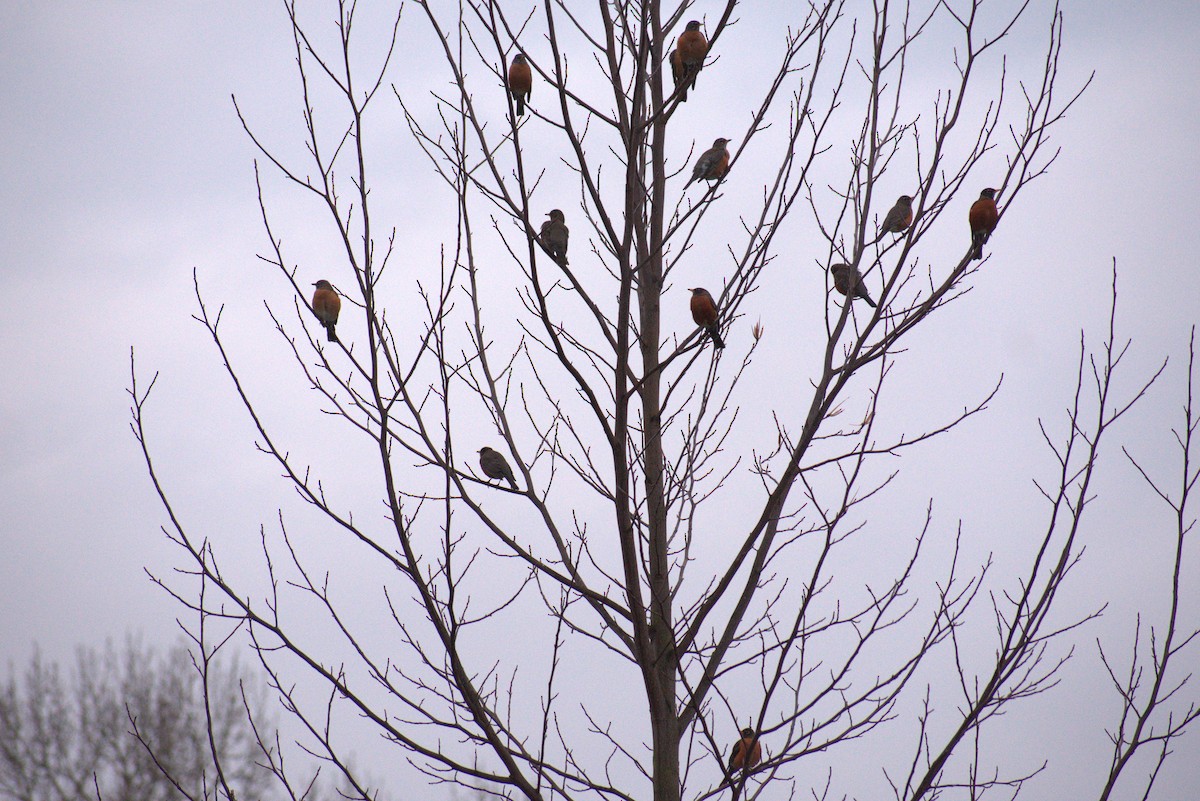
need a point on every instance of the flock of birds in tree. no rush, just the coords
(687, 59)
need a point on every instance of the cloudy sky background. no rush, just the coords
(125, 168)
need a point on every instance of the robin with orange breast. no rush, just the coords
(746, 753)
(326, 305)
(494, 465)
(704, 312)
(845, 278)
(899, 217)
(520, 82)
(688, 58)
(554, 235)
(712, 164)
(983, 217)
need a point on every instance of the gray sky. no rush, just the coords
(124, 167)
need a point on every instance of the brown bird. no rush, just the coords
(494, 465)
(844, 276)
(983, 217)
(899, 217)
(746, 753)
(326, 305)
(712, 164)
(554, 236)
(704, 312)
(520, 82)
(688, 58)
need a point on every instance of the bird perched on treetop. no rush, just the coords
(983, 217)
(845, 276)
(554, 236)
(494, 465)
(687, 59)
(704, 312)
(899, 217)
(520, 81)
(712, 164)
(326, 305)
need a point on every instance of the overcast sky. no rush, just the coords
(124, 168)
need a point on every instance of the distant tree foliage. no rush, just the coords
(70, 737)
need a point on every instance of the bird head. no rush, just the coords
(519, 58)
(905, 199)
(323, 284)
(720, 142)
(747, 732)
(989, 193)
(556, 215)
(699, 291)
(693, 25)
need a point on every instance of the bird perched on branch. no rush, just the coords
(326, 305)
(746, 753)
(899, 217)
(983, 217)
(554, 235)
(494, 465)
(846, 278)
(687, 59)
(520, 82)
(712, 164)
(744, 756)
(704, 312)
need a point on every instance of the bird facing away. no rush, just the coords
(845, 276)
(494, 465)
(520, 82)
(687, 59)
(554, 236)
(899, 217)
(746, 753)
(712, 164)
(983, 217)
(704, 312)
(326, 305)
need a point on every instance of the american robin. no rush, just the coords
(843, 276)
(494, 465)
(899, 217)
(520, 82)
(983, 218)
(712, 164)
(704, 312)
(326, 304)
(554, 236)
(746, 753)
(688, 58)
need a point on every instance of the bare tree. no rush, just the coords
(69, 739)
(582, 550)
(1155, 708)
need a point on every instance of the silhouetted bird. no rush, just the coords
(494, 465)
(845, 276)
(554, 236)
